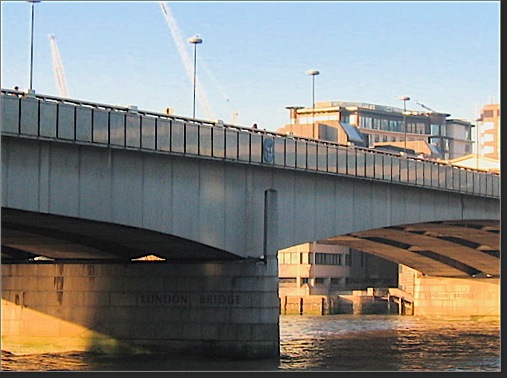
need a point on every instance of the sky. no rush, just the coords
(255, 55)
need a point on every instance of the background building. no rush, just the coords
(488, 138)
(428, 133)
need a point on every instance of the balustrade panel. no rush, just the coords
(100, 125)
(456, 173)
(84, 129)
(419, 172)
(311, 156)
(360, 163)
(279, 152)
(47, 127)
(205, 140)
(133, 130)
(404, 170)
(369, 164)
(116, 127)
(290, 153)
(244, 146)
(496, 182)
(396, 168)
(435, 175)
(342, 160)
(29, 117)
(469, 181)
(164, 134)
(446, 180)
(231, 144)
(192, 138)
(301, 154)
(10, 114)
(148, 127)
(256, 148)
(332, 155)
(218, 141)
(177, 136)
(384, 165)
(428, 174)
(322, 157)
(351, 161)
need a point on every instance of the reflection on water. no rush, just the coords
(390, 343)
(323, 343)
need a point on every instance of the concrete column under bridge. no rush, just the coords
(227, 309)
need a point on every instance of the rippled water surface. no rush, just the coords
(322, 343)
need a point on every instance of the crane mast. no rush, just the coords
(58, 67)
(171, 22)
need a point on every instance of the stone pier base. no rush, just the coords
(456, 296)
(227, 309)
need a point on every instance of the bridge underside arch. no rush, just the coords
(468, 248)
(28, 236)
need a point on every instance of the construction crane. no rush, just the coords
(173, 26)
(425, 107)
(58, 67)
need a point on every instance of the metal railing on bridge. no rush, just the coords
(69, 120)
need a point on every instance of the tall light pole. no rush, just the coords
(405, 99)
(31, 44)
(313, 73)
(195, 41)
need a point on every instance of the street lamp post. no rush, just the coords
(195, 41)
(31, 44)
(405, 99)
(313, 73)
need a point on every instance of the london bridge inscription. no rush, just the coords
(189, 299)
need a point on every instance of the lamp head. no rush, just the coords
(195, 40)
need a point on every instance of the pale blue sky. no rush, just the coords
(254, 55)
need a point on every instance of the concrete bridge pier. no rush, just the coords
(227, 309)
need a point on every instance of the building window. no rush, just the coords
(435, 129)
(305, 280)
(319, 280)
(328, 258)
(288, 258)
(304, 258)
(287, 280)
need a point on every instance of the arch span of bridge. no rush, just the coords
(89, 184)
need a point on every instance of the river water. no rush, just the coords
(323, 343)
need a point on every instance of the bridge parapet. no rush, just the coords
(81, 122)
